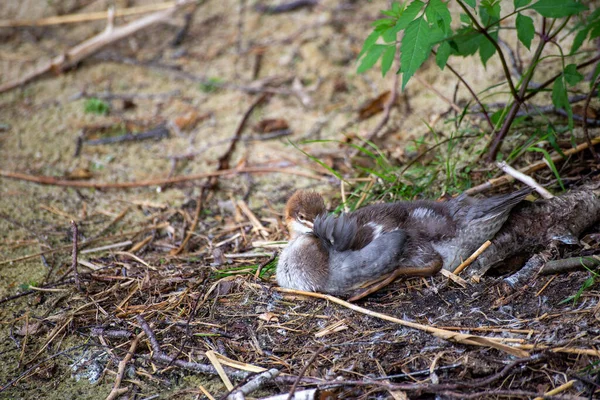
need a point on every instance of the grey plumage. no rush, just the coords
(417, 238)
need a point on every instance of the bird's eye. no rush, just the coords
(301, 216)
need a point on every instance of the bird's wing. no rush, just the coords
(337, 233)
(350, 268)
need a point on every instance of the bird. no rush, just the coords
(336, 254)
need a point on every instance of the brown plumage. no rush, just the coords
(335, 254)
(301, 211)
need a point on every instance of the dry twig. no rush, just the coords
(116, 391)
(586, 134)
(530, 168)
(441, 333)
(74, 255)
(93, 45)
(52, 181)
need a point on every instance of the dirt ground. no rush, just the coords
(57, 342)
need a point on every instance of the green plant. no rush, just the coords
(389, 183)
(588, 283)
(266, 270)
(427, 30)
(211, 85)
(96, 106)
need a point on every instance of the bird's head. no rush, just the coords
(301, 210)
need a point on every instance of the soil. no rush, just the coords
(58, 342)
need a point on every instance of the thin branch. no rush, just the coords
(586, 134)
(92, 16)
(304, 368)
(94, 44)
(116, 391)
(475, 97)
(472, 340)
(485, 33)
(526, 179)
(52, 181)
(529, 169)
(514, 109)
(223, 165)
(555, 77)
(74, 255)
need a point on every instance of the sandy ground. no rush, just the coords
(312, 51)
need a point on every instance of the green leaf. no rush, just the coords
(390, 35)
(396, 9)
(371, 57)
(525, 29)
(560, 98)
(387, 59)
(470, 3)
(389, 13)
(437, 11)
(94, 105)
(521, 3)
(589, 282)
(486, 48)
(489, 11)
(369, 41)
(595, 76)
(579, 39)
(595, 31)
(409, 14)
(558, 8)
(443, 53)
(466, 42)
(416, 45)
(550, 163)
(572, 76)
(464, 18)
(553, 140)
(498, 117)
(383, 23)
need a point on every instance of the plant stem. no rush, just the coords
(521, 97)
(485, 33)
(485, 113)
(551, 80)
(585, 123)
(514, 108)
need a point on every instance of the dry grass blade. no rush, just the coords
(215, 362)
(116, 390)
(91, 46)
(441, 333)
(49, 180)
(93, 16)
(531, 168)
(472, 257)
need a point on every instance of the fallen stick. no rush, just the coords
(94, 44)
(569, 264)
(116, 391)
(253, 385)
(52, 181)
(92, 16)
(529, 169)
(441, 333)
(223, 164)
(472, 257)
(526, 179)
